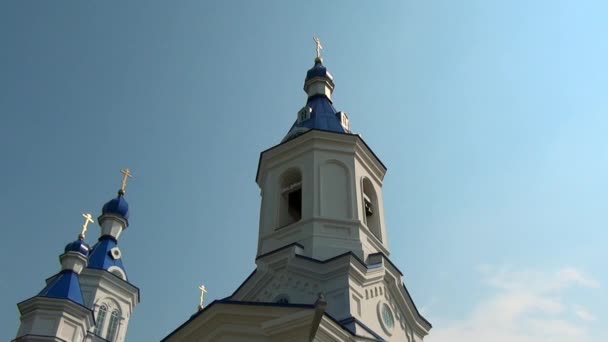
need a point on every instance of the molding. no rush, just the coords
(105, 279)
(53, 304)
(38, 338)
(365, 152)
(365, 274)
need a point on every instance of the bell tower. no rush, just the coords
(322, 228)
(105, 286)
(322, 186)
(323, 271)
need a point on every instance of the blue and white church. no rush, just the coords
(323, 271)
(91, 298)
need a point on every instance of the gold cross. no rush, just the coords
(203, 291)
(318, 45)
(126, 175)
(87, 219)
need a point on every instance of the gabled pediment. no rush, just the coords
(371, 296)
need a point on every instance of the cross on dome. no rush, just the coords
(87, 219)
(202, 298)
(319, 47)
(126, 175)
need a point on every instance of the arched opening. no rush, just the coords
(290, 207)
(113, 325)
(370, 208)
(101, 318)
(117, 271)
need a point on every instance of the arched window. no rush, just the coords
(290, 207)
(370, 208)
(113, 325)
(117, 271)
(101, 318)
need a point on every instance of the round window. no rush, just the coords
(387, 317)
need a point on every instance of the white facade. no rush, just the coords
(91, 304)
(333, 170)
(108, 291)
(102, 289)
(323, 272)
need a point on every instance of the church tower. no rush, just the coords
(105, 286)
(91, 298)
(322, 186)
(58, 312)
(323, 269)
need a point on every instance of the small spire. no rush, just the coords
(125, 176)
(87, 219)
(319, 47)
(202, 298)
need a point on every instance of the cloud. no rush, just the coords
(525, 306)
(583, 313)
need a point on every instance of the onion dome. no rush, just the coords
(319, 112)
(318, 70)
(117, 206)
(78, 246)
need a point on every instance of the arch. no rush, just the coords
(335, 196)
(100, 319)
(290, 197)
(113, 325)
(370, 208)
(117, 271)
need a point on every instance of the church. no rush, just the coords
(323, 271)
(91, 298)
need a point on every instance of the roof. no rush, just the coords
(117, 206)
(318, 70)
(66, 285)
(350, 254)
(100, 256)
(345, 324)
(323, 116)
(78, 246)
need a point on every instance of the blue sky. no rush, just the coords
(491, 117)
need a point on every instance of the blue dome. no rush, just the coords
(318, 70)
(78, 246)
(323, 117)
(117, 206)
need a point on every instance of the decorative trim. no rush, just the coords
(257, 174)
(119, 270)
(379, 307)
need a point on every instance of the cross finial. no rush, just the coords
(203, 291)
(125, 175)
(87, 219)
(318, 47)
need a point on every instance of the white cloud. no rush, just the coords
(526, 306)
(569, 275)
(583, 313)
